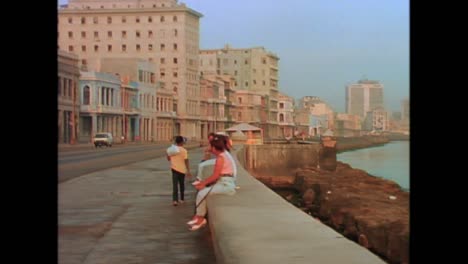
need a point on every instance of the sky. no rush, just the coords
(323, 45)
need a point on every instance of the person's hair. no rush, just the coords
(225, 141)
(179, 139)
(211, 134)
(218, 143)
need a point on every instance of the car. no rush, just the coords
(103, 139)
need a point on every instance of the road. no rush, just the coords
(74, 162)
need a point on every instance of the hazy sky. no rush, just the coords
(322, 44)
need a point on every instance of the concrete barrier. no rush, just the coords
(258, 226)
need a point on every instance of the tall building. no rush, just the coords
(254, 69)
(363, 97)
(160, 31)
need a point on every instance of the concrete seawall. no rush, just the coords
(258, 226)
(278, 158)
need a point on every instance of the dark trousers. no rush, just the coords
(178, 180)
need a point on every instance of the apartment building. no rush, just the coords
(213, 104)
(141, 74)
(254, 69)
(377, 120)
(67, 97)
(286, 115)
(160, 31)
(321, 114)
(363, 97)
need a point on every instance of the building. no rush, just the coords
(321, 115)
(377, 120)
(254, 69)
(286, 115)
(363, 97)
(141, 74)
(67, 97)
(160, 31)
(347, 125)
(213, 104)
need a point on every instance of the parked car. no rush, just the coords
(103, 139)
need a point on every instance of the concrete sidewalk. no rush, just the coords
(125, 215)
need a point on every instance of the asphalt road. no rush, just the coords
(76, 162)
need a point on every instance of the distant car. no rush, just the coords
(103, 139)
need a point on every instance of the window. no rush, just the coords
(84, 62)
(150, 19)
(124, 34)
(235, 72)
(83, 20)
(162, 74)
(254, 82)
(96, 48)
(239, 116)
(175, 89)
(175, 32)
(163, 60)
(109, 20)
(246, 62)
(109, 34)
(150, 34)
(281, 118)
(239, 99)
(174, 18)
(96, 34)
(174, 74)
(175, 46)
(263, 83)
(281, 105)
(83, 34)
(137, 19)
(246, 84)
(109, 47)
(175, 60)
(263, 60)
(235, 61)
(70, 34)
(83, 48)
(150, 47)
(138, 47)
(70, 48)
(70, 20)
(95, 20)
(86, 95)
(124, 20)
(138, 34)
(162, 47)
(124, 47)
(162, 19)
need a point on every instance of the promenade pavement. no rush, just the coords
(124, 215)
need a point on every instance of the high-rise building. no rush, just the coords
(364, 96)
(254, 70)
(161, 31)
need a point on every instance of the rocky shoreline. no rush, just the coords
(369, 210)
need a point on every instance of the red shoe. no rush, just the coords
(198, 225)
(193, 221)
